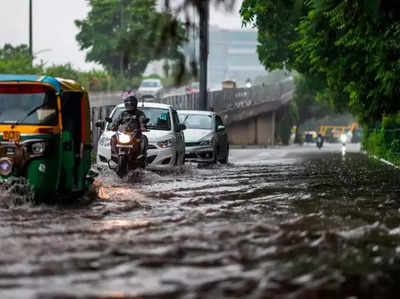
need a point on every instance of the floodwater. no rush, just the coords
(291, 222)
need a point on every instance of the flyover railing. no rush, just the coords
(231, 99)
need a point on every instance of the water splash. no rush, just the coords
(15, 191)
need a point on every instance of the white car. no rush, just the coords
(150, 88)
(165, 135)
(206, 139)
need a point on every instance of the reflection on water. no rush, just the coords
(304, 225)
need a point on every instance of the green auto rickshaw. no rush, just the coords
(45, 134)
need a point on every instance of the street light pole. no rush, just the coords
(204, 19)
(30, 30)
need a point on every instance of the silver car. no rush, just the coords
(150, 88)
(165, 135)
(206, 139)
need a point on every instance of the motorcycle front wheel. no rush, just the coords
(122, 169)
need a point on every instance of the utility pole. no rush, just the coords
(122, 32)
(204, 19)
(30, 31)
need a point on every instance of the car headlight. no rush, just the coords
(105, 141)
(6, 166)
(209, 141)
(166, 143)
(38, 148)
(205, 142)
(124, 138)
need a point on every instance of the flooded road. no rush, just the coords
(274, 223)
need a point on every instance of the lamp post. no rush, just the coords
(204, 12)
(30, 30)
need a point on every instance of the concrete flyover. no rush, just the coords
(249, 114)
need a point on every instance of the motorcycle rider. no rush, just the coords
(320, 140)
(129, 120)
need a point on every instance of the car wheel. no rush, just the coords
(179, 159)
(225, 159)
(216, 153)
(182, 160)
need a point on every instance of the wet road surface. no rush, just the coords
(274, 223)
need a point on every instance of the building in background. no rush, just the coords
(232, 55)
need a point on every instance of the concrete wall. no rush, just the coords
(259, 130)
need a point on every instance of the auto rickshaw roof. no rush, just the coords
(59, 84)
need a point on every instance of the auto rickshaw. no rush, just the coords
(228, 84)
(45, 134)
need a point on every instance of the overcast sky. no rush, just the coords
(54, 29)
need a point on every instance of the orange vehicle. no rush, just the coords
(336, 131)
(228, 84)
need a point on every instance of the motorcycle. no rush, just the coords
(320, 142)
(129, 152)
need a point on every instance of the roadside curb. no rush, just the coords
(381, 160)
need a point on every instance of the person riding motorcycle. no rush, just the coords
(130, 120)
(320, 140)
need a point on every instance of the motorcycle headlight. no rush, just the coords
(343, 138)
(123, 138)
(38, 148)
(166, 143)
(6, 166)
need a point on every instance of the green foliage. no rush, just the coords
(384, 141)
(125, 35)
(352, 45)
(17, 60)
(356, 47)
(308, 105)
(63, 71)
(276, 22)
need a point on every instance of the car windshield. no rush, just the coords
(159, 118)
(150, 84)
(16, 107)
(196, 121)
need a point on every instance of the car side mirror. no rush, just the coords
(108, 119)
(181, 127)
(100, 124)
(220, 128)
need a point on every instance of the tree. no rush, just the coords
(17, 60)
(276, 21)
(125, 35)
(353, 45)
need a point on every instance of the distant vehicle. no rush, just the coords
(320, 141)
(151, 88)
(310, 136)
(206, 139)
(334, 133)
(166, 140)
(194, 87)
(248, 83)
(228, 84)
